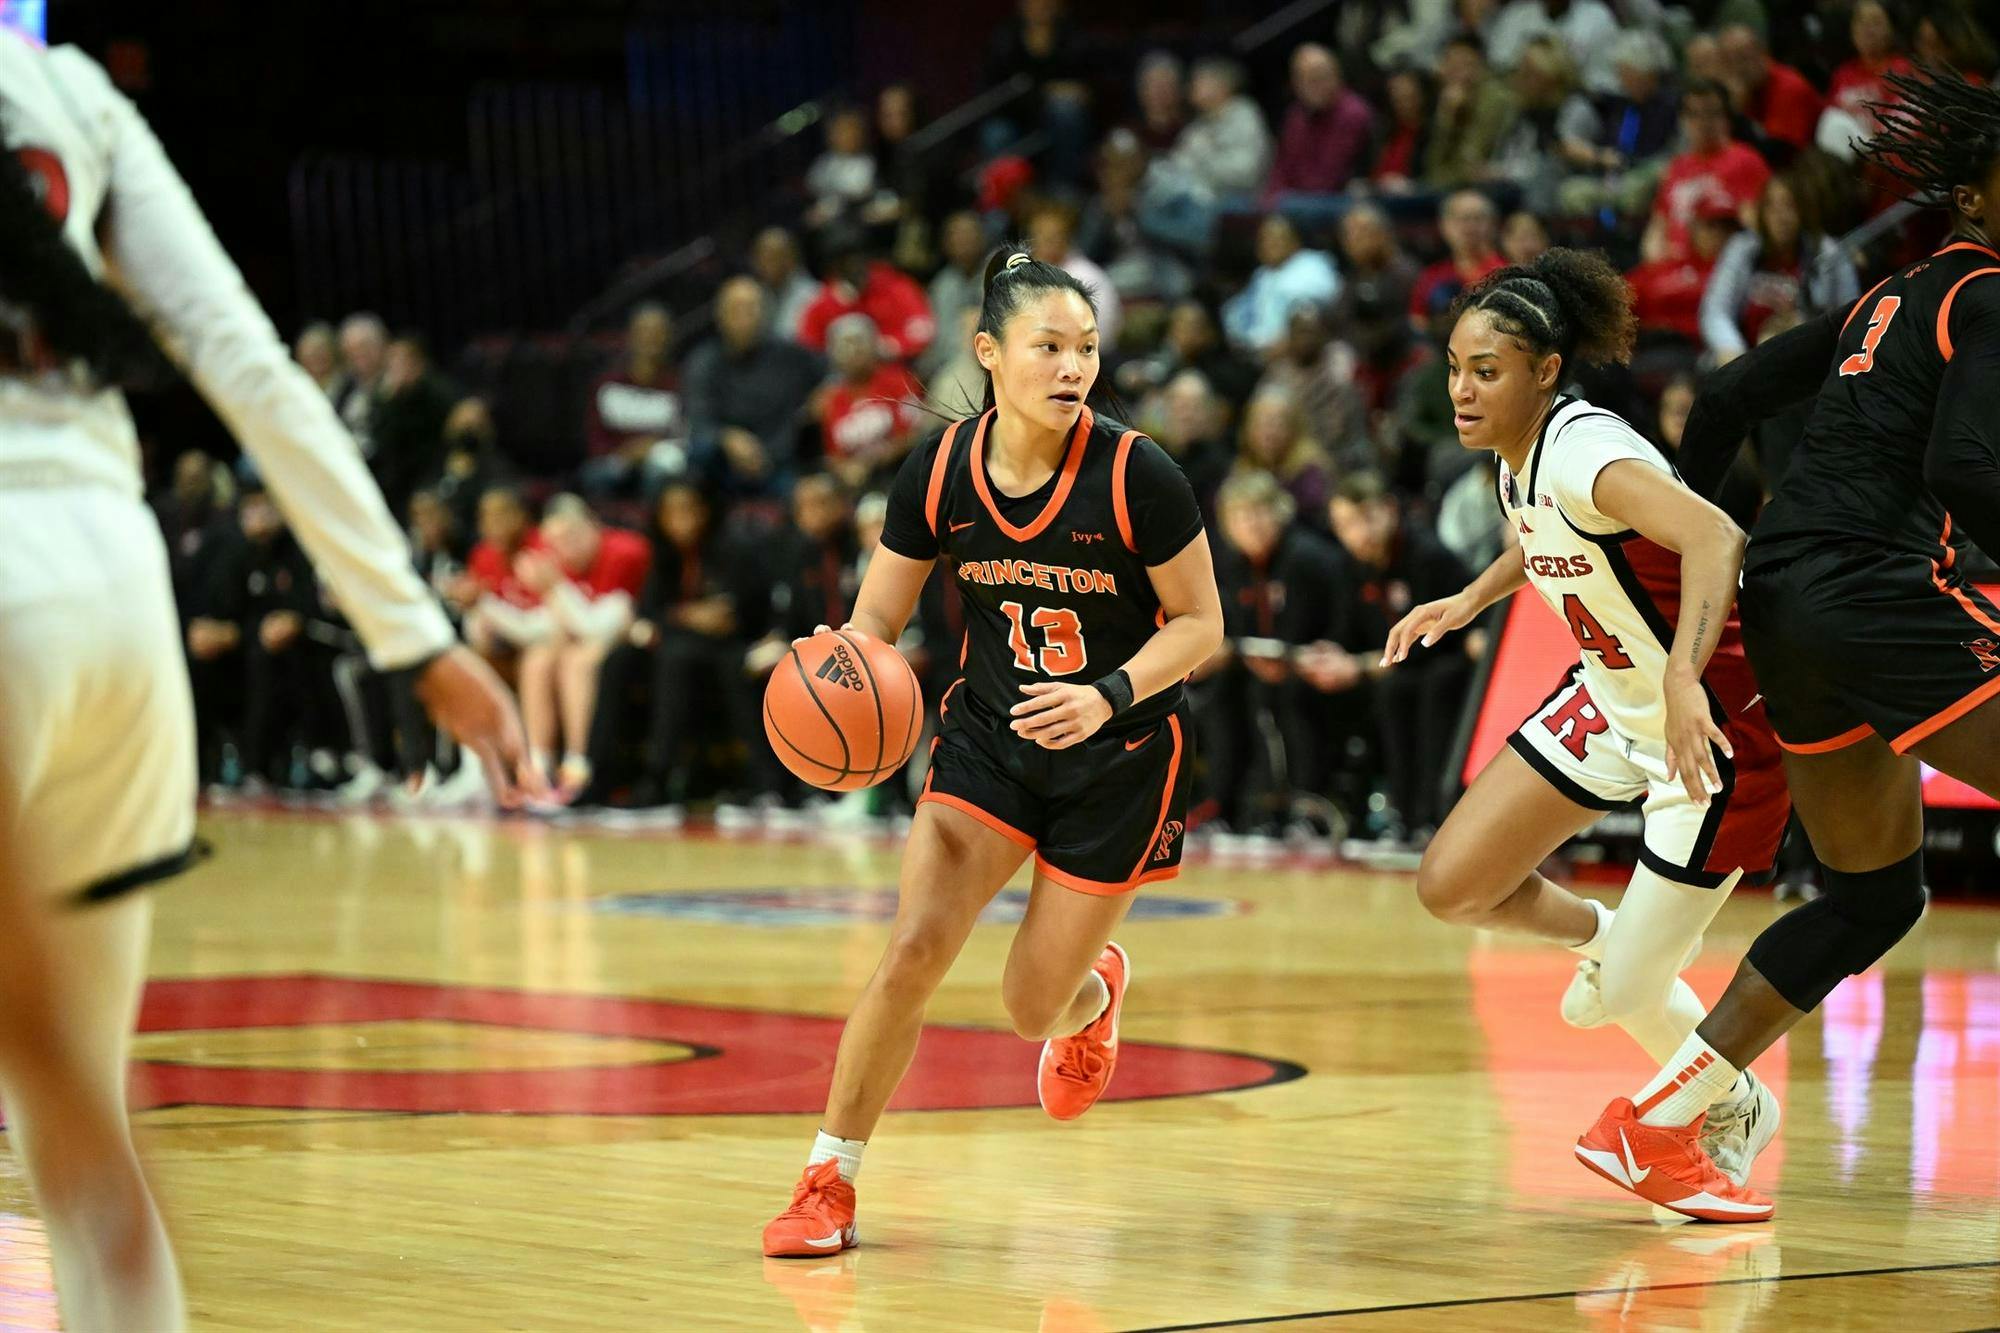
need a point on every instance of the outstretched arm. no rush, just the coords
(1962, 464)
(1755, 386)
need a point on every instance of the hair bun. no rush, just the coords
(1018, 258)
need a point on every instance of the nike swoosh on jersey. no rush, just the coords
(1631, 1167)
(960, 527)
(1133, 745)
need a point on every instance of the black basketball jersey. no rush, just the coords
(1054, 583)
(1860, 471)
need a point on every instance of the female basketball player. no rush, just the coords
(97, 764)
(1874, 651)
(1089, 596)
(1660, 708)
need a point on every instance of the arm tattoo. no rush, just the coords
(1700, 637)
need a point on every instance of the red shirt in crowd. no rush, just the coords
(892, 299)
(1859, 82)
(493, 570)
(622, 561)
(1439, 284)
(1734, 174)
(863, 421)
(1666, 294)
(1787, 106)
(1398, 155)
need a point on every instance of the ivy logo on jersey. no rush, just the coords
(839, 669)
(1987, 651)
(1168, 832)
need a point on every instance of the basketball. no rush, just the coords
(843, 710)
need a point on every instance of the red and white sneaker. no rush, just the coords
(820, 1220)
(1665, 1164)
(1076, 1070)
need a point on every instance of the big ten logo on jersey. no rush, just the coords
(839, 669)
(1576, 722)
(1559, 566)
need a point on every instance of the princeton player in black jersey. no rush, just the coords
(1872, 650)
(1089, 596)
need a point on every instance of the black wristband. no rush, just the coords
(1116, 689)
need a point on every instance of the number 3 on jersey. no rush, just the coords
(1591, 636)
(1062, 651)
(1863, 361)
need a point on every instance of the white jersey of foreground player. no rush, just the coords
(129, 214)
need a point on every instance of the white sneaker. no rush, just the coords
(465, 787)
(1583, 1001)
(1737, 1131)
(361, 789)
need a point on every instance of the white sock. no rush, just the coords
(1686, 1086)
(539, 760)
(1593, 948)
(1103, 989)
(827, 1148)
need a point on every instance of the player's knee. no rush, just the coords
(1449, 884)
(1034, 1013)
(1625, 989)
(1859, 918)
(917, 959)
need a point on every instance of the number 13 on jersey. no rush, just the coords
(1061, 653)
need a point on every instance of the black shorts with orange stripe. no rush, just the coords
(1102, 816)
(1850, 641)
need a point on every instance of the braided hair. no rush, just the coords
(1568, 302)
(1940, 133)
(76, 317)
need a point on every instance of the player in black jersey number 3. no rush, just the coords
(1078, 548)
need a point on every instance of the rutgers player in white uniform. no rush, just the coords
(102, 251)
(1660, 709)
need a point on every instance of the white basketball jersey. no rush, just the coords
(1619, 592)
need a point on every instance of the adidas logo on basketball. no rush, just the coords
(839, 669)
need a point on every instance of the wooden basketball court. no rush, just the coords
(448, 1075)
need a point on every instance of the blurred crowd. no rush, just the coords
(1272, 264)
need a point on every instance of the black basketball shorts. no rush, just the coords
(1849, 642)
(1103, 816)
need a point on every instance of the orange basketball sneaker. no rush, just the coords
(1664, 1164)
(820, 1220)
(1076, 1070)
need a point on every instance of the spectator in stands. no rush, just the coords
(842, 178)
(1282, 588)
(1636, 128)
(955, 288)
(1398, 564)
(1949, 35)
(1467, 221)
(1523, 237)
(1667, 292)
(1222, 157)
(1288, 275)
(1712, 166)
(1161, 96)
(1112, 230)
(1040, 44)
(855, 280)
(497, 608)
(1403, 137)
(1860, 80)
(1474, 113)
(188, 511)
(1274, 439)
(1585, 29)
(1318, 371)
(364, 346)
(408, 422)
(636, 426)
(1377, 326)
(472, 462)
(1185, 418)
(1376, 272)
(588, 578)
(1192, 343)
(1052, 235)
(788, 288)
(1780, 103)
(318, 354)
(1418, 38)
(701, 607)
(1555, 125)
(1327, 129)
(745, 393)
(908, 186)
(1785, 263)
(869, 412)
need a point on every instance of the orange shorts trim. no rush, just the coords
(992, 821)
(1923, 730)
(1099, 887)
(1840, 742)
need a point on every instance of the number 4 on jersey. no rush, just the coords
(1863, 361)
(1062, 652)
(1591, 636)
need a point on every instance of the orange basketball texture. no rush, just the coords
(843, 710)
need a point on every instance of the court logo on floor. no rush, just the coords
(833, 906)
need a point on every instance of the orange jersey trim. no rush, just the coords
(1118, 509)
(1856, 308)
(1944, 310)
(992, 821)
(940, 466)
(1166, 796)
(1828, 746)
(1072, 464)
(1918, 734)
(1098, 887)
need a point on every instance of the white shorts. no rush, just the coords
(1583, 756)
(97, 758)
